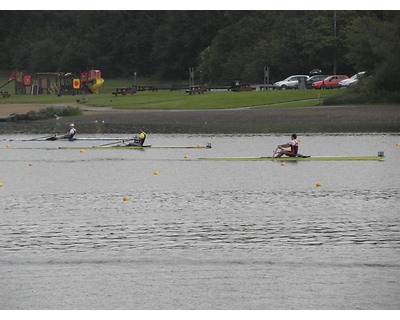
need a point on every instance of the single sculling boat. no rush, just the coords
(149, 146)
(63, 138)
(379, 157)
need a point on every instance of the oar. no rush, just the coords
(54, 138)
(109, 144)
(274, 153)
(41, 138)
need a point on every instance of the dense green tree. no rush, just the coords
(287, 42)
(221, 45)
(373, 43)
(179, 40)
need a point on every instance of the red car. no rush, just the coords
(329, 82)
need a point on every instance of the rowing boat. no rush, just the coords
(149, 146)
(284, 159)
(55, 138)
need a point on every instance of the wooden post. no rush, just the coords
(191, 77)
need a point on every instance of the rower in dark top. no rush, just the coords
(293, 144)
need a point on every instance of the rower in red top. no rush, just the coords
(293, 144)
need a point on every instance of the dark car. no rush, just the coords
(315, 72)
(313, 79)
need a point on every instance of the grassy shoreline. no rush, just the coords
(178, 99)
(166, 111)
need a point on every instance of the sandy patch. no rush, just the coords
(7, 109)
(23, 108)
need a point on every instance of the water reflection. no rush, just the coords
(206, 221)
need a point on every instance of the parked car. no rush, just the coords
(291, 82)
(353, 80)
(315, 72)
(329, 82)
(313, 79)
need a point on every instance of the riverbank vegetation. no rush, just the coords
(364, 93)
(48, 113)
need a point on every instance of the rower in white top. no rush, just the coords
(71, 133)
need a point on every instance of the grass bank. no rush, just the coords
(179, 99)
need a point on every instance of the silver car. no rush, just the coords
(291, 82)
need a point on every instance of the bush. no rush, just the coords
(364, 92)
(50, 112)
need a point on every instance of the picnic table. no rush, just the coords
(5, 94)
(124, 91)
(196, 89)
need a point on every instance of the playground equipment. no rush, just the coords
(92, 80)
(59, 83)
(6, 83)
(5, 94)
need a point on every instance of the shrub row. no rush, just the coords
(48, 113)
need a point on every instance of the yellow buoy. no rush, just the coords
(283, 164)
(155, 173)
(82, 150)
(125, 198)
(397, 144)
(318, 184)
(30, 164)
(1, 184)
(186, 157)
(7, 146)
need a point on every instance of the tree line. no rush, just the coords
(221, 45)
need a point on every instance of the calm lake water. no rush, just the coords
(200, 235)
